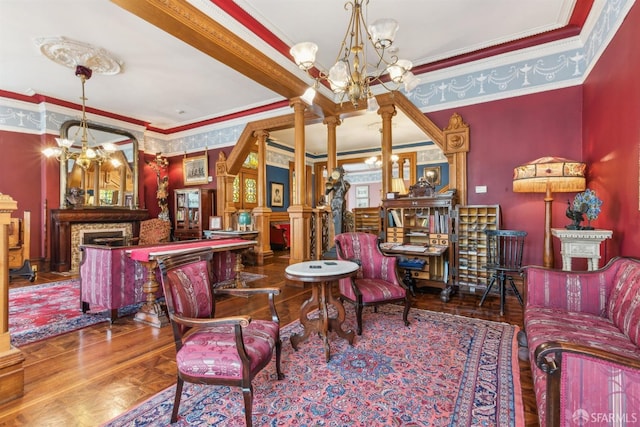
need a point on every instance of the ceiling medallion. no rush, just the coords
(72, 53)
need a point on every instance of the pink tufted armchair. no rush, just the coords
(377, 281)
(216, 351)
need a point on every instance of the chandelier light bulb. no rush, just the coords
(339, 77)
(398, 70)
(52, 151)
(410, 81)
(304, 54)
(63, 142)
(383, 32)
(109, 147)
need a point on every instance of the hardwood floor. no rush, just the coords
(87, 377)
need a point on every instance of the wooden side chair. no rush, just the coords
(213, 350)
(377, 281)
(504, 259)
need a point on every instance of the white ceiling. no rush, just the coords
(168, 83)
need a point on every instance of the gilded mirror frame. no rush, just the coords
(64, 172)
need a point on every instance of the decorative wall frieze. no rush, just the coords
(524, 72)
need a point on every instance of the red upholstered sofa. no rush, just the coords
(583, 341)
(110, 279)
(280, 235)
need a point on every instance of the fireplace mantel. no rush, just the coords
(62, 219)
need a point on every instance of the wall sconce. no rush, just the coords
(548, 175)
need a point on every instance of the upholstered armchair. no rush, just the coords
(154, 231)
(377, 280)
(215, 350)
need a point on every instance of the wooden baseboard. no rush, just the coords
(11, 375)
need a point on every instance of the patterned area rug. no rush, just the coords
(43, 311)
(442, 370)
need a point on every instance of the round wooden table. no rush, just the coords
(321, 274)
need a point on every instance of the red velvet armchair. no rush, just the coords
(215, 350)
(377, 280)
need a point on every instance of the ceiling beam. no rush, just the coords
(192, 26)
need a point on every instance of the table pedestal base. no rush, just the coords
(151, 311)
(321, 299)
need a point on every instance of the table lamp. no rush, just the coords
(548, 175)
(397, 185)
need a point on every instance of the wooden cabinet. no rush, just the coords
(472, 221)
(368, 220)
(192, 210)
(423, 228)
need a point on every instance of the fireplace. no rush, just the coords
(87, 233)
(68, 224)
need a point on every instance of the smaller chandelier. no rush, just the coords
(87, 154)
(351, 76)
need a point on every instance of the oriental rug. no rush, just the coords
(42, 311)
(442, 370)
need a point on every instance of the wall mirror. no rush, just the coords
(101, 184)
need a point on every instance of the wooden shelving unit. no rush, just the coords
(472, 221)
(193, 207)
(368, 220)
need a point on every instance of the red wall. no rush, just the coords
(31, 180)
(508, 133)
(611, 128)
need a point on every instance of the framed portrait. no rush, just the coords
(195, 170)
(362, 192)
(277, 194)
(432, 175)
(215, 223)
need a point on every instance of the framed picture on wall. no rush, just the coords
(362, 192)
(432, 175)
(277, 194)
(195, 170)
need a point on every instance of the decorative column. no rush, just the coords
(332, 123)
(262, 213)
(456, 147)
(300, 213)
(11, 358)
(387, 112)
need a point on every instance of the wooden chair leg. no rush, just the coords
(176, 401)
(486, 292)
(405, 314)
(515, 290)
(503, 293)
(278, 351)
(359, 318)
(248, 402)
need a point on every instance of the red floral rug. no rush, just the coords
(442, 370)
(42, 311)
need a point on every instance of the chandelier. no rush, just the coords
(352, 75)
(87, 154)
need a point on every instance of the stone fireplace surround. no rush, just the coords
(67, 224)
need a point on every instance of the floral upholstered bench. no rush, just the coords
(583, 342)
